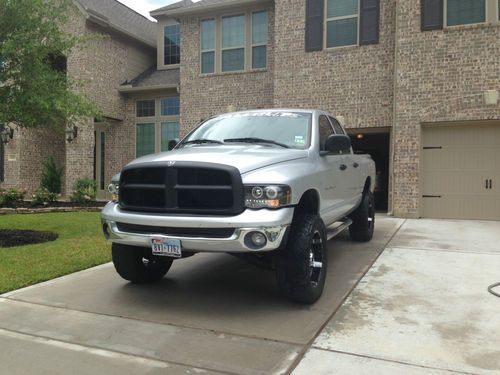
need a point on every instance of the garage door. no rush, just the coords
(461, 171)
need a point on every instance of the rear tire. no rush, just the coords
(138, 265)
(301, 267)
(363, 219)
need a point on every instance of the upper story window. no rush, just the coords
(171, 45)
(341, 23)
(437, 14)
(259, 40)
(236, 34)
(463, 12)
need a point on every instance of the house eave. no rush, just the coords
(182, 11)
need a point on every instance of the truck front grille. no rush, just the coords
(184, 188)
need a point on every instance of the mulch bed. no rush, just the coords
(11, 238)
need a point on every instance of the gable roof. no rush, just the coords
(113, 14)
(188, 6)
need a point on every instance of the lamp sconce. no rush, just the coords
(71, 132)
(6, 134)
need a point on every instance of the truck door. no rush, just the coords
(352, 173)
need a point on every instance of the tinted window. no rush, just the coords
(325, 130)
(336, 126)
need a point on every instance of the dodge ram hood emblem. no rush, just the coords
(171, 163)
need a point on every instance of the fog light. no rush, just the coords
(255, 240)
(258, 239)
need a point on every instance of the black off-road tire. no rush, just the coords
(298, 276)
(363, 219)
(138, 265)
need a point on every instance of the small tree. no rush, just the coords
(34, 89)
(51, 176)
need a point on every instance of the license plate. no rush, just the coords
(167, 248)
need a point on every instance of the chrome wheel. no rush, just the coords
(315, 258)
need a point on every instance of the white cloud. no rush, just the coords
(145, 6)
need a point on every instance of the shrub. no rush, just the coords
(11, 196)
(51, 176)
(84, 190)
(43, 197)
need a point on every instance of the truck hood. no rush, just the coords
(245, 158)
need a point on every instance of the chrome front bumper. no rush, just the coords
(273, 223)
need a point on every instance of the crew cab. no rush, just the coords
(272, 186)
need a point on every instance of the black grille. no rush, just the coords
(187, 188)
(178, 232)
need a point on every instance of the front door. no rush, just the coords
(100, 161)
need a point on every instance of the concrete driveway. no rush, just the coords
(211, 314)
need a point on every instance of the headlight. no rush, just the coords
(113, 190)
(267, 196)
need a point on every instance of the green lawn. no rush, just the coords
(80, 245)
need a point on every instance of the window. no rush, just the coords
(170, 106)
(160, 127)
(233, 43)
(208, 46)
(341, 23)
(325, 130)
(259, 40)
(145, 140)
(336, 126)
(171, 45)
(145, 108)
(463, 12)
(169, 132)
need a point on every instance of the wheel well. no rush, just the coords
(308, 204)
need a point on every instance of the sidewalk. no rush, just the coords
(423, 308)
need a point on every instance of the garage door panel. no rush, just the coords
(458, 161)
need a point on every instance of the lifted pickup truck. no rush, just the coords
(270, 185)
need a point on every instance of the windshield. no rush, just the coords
(286, 129)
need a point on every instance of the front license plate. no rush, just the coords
(167, 248)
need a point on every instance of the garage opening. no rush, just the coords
(375, 142)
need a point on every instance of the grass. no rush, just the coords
(80, 245)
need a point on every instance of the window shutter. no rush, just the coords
(369, 21)
(432, 14)
(314, 25)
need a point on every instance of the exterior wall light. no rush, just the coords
(71, 132)
(6, 133)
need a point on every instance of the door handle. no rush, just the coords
(491, 184)
(486, 184)
(355, 165)
(343, 167)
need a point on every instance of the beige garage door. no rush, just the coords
(461, 171)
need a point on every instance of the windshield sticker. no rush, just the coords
(261, 114)
(299, 139)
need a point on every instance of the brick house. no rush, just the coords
(416, 82)
(126, 49)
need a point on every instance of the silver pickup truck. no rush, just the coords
(272, 186)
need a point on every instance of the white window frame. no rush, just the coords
(491, 14)
(252, 45)
(243, 47)
(214, 50)
(157, 120)
(325, 26)
(248, 47)
(160, 61)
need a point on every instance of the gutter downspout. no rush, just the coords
(394, 108)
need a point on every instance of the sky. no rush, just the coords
(146, 6)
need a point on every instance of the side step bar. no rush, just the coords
(337, 228)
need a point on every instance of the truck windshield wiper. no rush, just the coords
(256, 140)
(201, 141)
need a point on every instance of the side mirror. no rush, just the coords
(338, 144)
(172, 144)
